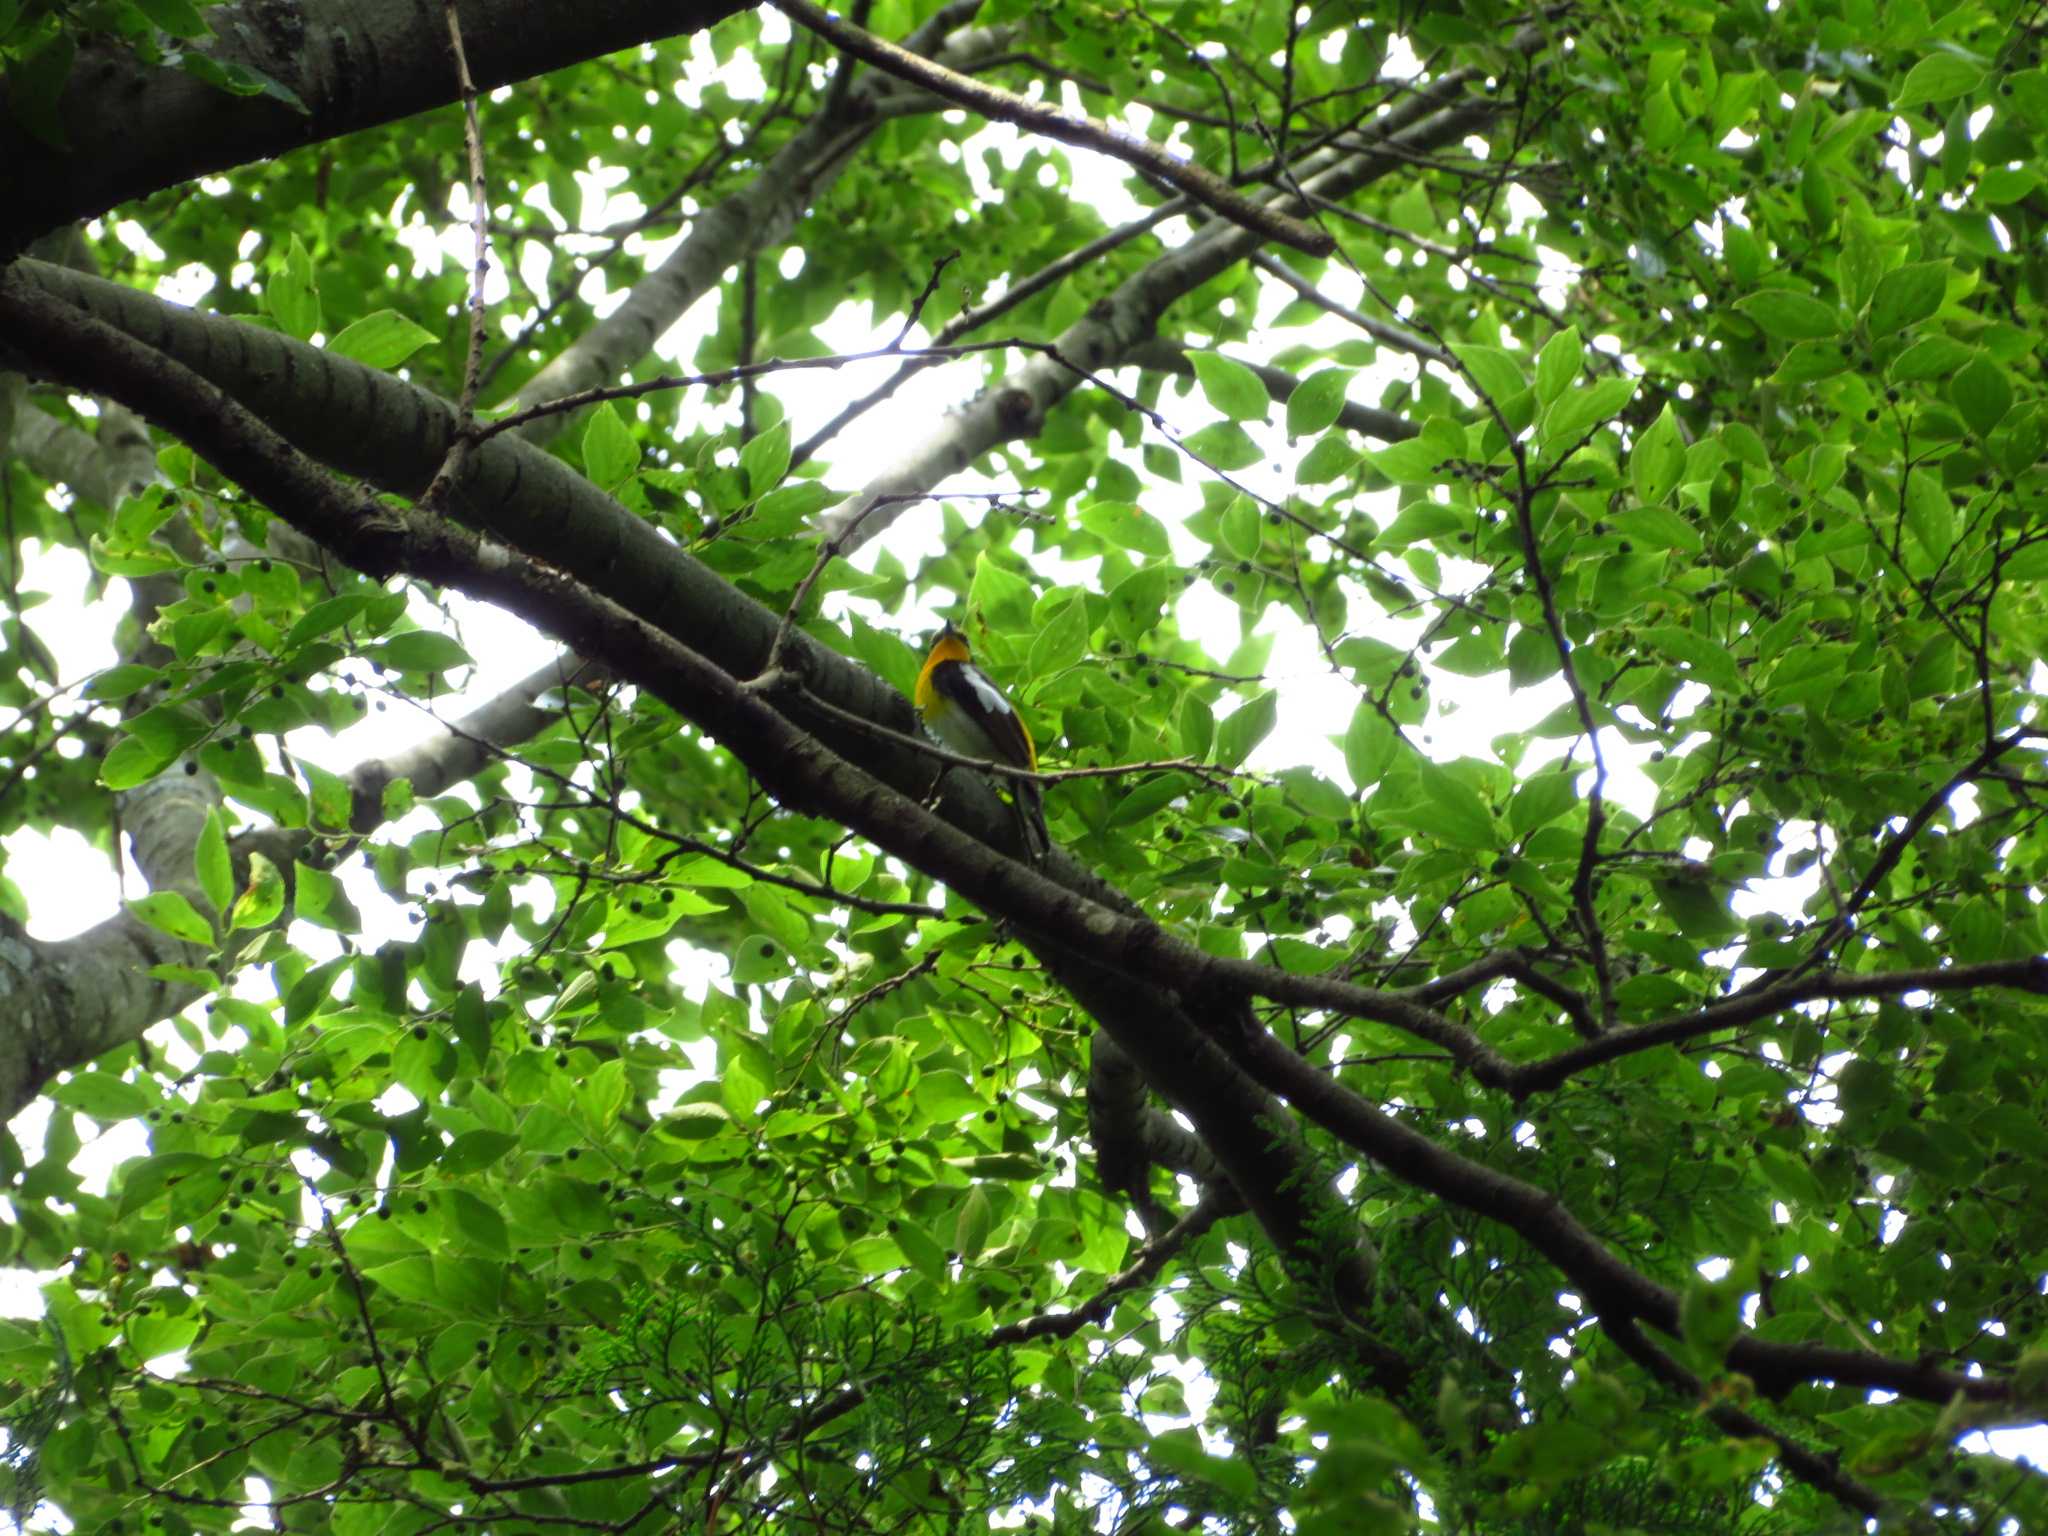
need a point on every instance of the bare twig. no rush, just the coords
(479, 220)
(1083, 132)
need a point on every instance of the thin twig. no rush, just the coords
(464, 442)
(1084, 132)
(973, 319)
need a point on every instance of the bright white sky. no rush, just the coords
(71, 887)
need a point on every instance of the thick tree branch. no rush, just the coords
(1612, 1287)
(131, 128)
(545, 507)
(1818, 1470)
(77, 998)
(804, 772)
(468, 745)
(1250, 1133)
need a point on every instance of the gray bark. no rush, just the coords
(130, 129)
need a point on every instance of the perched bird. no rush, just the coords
(965, 711)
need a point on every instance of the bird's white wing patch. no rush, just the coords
(985, 692)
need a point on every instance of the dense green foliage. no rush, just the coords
(1690, 388)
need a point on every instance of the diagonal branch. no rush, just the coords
(1014, 406)
(752, 219)
(77, 998)
(1250, 1133)
(1084, 132)
(331, 67)
(2025, 975)
(1074, 931)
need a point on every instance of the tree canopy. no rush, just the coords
(1519, 535)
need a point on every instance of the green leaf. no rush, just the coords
(695, 1122)
(2029, 564)
(1414, 462)
(1807, 361)
(1317, 401)
(36, 86)
(1736, 101)
(1906, 296)
(1141, 802)
(1223, 445)
(1709, 660)
(133, 762)
(971, 1226)
(925, 1255)
(1698, 911)
(1136, 603)
(1455, 812)
(326, 617)
(789, 507)
(1369, 743)
(317, 898)
(291, 294)
(1558, 365)
(1710, 1311)
(381, 340)
(216, 871)
(474, 1151)
(1001, 596)
(603, 1094)
(610, 453)
(1931, 357)
(420, 650)
(117, 683)
(395, 798)
(758, 958)
(1657, 458)
(1238, 530)
(263, 900)
(180, 18)
(1180, 1451)
(1245, 727)
(1789, 316)
(483, 1228)
(238, 79)
(104, 1096)
(328, 797)
(1580, 410)
(1498, 376)
(1930, 515)
(1938, 77)
(1231, 387)
(142, 1181)
(153, 1333)
(410, 1279)
(765, 459)
(1127, 526)
(169, 912)
(946, 1097)
(1062, 641)
(1197, 727)
(1331, 458)
(1983, 394)
(1540, 801)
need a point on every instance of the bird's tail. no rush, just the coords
(1029, 800)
